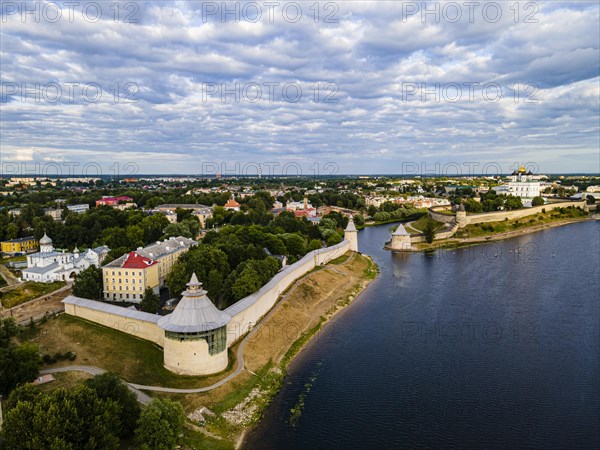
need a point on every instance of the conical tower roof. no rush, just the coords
(195, 312)
(350, 226)
(400, 231)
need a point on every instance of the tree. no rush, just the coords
(246, 283)
(334, 239)
(429, 231)
(178, 229)
(537, 201)
(18, 364)
(109, 386)
(8, 329)
(160, 425)
(150, 301)
(64, 419)
(88, 283)
(590, 199)
(513, 202)
(315, 244)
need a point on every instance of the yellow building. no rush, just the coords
(166, 254)
(20, 245)
(126, 278)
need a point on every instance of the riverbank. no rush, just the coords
(299, 317)
(458, 242)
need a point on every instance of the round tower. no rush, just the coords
(461, 216)
(195, 334)
(401, 239)
(351, 235)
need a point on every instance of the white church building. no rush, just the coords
(49, 265)
(523, 185)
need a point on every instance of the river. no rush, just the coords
(490, 346)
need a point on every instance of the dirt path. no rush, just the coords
(38, 308)
(11, 280)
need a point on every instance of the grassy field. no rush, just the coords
(133, 359)
(420, 224)
(28, 291)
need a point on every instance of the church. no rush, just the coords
(522, 184)
(48, 265)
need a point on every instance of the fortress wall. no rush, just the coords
(142, 329)
(248, 311)
(498, 216)
(445, 218)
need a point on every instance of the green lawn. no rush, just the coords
(422, 222)
(28, 291)
(135, 360)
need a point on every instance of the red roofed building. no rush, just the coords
(113, 201)
(126, 278)
(232, 205)
(310, 212)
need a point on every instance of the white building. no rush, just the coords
(522, 184)
(49, 265)
(79, 209)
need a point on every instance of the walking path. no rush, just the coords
(142, 398)
(240, 353)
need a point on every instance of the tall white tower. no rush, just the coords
(351, 235)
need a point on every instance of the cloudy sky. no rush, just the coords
(318, 87)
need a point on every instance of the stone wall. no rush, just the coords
(143, 329)
(249, 310)
(192, 357)
(499, 216)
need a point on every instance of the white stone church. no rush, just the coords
(49, 265)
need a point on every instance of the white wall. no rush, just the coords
(248, 311)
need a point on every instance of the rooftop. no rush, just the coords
(23, 239)
(195, 312)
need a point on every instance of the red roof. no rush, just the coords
(231, 204)
(137, 261)
(113, 200)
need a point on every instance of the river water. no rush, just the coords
(491, 346)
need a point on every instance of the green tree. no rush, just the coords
(160, 425)
(315, 244)
(109, 386)
(513, 202)
(334, 239)
(18, 365)
(150, 301)
(64, 419)
(429, 231)
(537, 201)
(88, 283)
(246, 283)
(8, 329)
